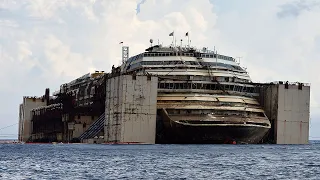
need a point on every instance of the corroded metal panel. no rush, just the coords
(289, 108)
(132, 116)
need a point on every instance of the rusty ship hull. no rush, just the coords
(212, 134)
(203, 97)
(203, 129)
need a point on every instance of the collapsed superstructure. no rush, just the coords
(65, 115)
(202, 97)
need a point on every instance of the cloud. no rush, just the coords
(139, 4)
(46, 43)
(297, 7)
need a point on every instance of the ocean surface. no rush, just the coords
(79, 161)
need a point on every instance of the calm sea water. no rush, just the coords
(65, 161)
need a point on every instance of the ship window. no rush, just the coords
(185, 86)
(204, 86)
(180, 85)
(214, 87)
(251, 89)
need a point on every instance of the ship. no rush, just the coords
(202, 97)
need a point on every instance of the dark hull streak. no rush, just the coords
(184, 134)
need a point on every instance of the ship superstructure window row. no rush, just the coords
(162, 54)
(193, 63)
(214, 112)
(204, 86)
(203, 55)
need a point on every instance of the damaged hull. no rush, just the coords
(176, 129)
(184, 134)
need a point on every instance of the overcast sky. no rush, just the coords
(46, 43)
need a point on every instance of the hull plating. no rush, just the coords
(212, 134)
(206, 132)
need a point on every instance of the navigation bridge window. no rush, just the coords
(217, 56)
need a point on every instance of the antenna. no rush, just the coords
(187, 35)
(216, 54)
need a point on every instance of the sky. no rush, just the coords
(46, 43)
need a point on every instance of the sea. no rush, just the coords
(101, 161)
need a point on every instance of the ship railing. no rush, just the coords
(291, 83)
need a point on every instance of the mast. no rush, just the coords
(187, 35)
(172, 34)
(216, 53)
